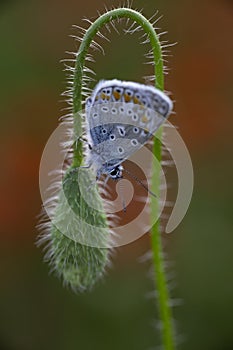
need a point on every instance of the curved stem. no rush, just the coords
(82, 52)
(162, 290)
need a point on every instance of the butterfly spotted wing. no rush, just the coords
(121, 117)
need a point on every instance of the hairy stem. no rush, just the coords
(81, 56)
(162, 290)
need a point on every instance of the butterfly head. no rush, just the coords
(114, 172)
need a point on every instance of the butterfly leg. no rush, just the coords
(83, 139)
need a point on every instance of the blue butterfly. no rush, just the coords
(121, 117)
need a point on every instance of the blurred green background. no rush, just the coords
(36, 312)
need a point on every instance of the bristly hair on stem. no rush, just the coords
(80, 266)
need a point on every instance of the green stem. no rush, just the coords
(81, 56)
(162, 290)
(156, 241)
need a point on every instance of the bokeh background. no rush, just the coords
(36, 312)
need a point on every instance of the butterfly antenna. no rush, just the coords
(140, 182)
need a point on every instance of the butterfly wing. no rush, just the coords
(122, 117)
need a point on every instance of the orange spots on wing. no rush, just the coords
(136, 100)
(127, 98)
(144, 119)
(117, 95)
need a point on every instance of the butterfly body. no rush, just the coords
(121, 118)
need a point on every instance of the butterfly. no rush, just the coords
(121, 116)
